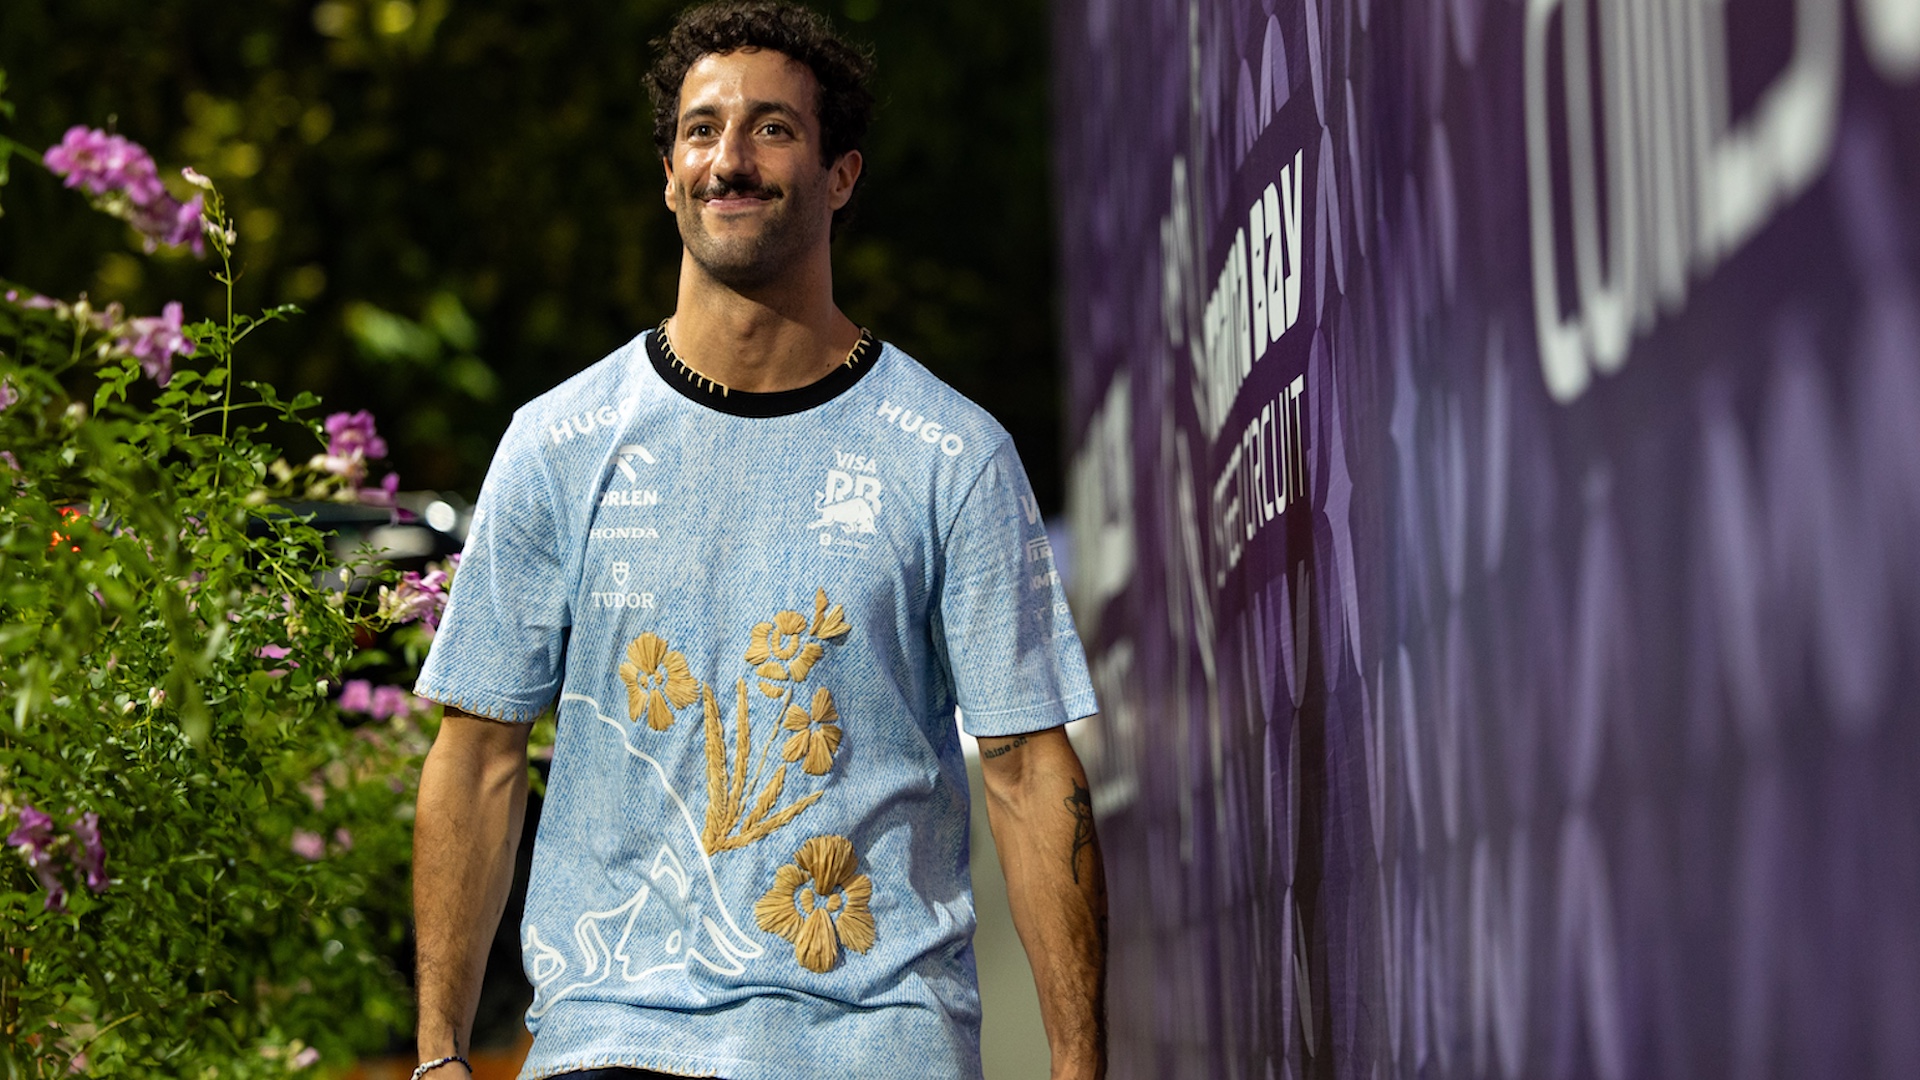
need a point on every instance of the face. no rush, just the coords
(746, 181)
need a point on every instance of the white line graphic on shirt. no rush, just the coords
(673, 946)
(628, 454)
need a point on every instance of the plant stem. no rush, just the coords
(226, 398)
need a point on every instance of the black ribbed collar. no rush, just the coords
(704, 391)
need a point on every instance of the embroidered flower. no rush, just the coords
(786, 649)
(828, 622)
(774, 643)
(832, 911)
(655, 677)
(816, 736)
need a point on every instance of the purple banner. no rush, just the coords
(1496, 515)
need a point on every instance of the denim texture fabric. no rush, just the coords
(752, 858)
(616, 1074)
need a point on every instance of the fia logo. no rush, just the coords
(631, 453)
(850, 502)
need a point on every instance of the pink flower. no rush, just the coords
(8, 395)
(156, 341)
(276, 652)
(105, 164)
(356, 697)
(416, 598)
(120, 175)
(344, 838)
(310, 846)
(304, 1058)
(385, 496)
(389, 702)
(351, 434)
(171, 222)
(351, 443)
(34, 837)
(92, 856)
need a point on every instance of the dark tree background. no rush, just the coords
(464, 199)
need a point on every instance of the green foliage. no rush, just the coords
(170, 640)
(498, 153)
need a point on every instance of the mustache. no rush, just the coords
(720, 188)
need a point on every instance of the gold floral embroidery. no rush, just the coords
(834, 910)
(727, 795)
(815, 734)
(773, 643)
(782, 653)
(654, 677)
(828, 623)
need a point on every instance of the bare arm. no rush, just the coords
(1041, 814)
(473, 798)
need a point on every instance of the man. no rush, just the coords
(760, 558)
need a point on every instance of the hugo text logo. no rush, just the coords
(913, 423)
(585, 423)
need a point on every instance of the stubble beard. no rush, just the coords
(754, 259)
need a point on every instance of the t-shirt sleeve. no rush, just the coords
(1012, 654)
(499, 647)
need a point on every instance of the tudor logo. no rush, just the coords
(631, 453)
(620, 571)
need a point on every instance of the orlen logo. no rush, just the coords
(912, 422)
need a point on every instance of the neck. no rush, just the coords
(780, 336)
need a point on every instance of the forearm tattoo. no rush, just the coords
(1080, 805)
(989, 755)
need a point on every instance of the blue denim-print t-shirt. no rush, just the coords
(758, 613)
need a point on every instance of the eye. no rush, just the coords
(700, 131)
(774, 127)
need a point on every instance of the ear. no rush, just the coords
(666, 166)
(843, 174)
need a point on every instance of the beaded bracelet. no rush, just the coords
(426, 1067)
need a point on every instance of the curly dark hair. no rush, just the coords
(845, 105)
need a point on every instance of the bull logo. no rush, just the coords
(851, 502)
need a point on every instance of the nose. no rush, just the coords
(733, 158)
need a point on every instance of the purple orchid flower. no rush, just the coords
(121, 176)
(34, 836)
(418, 598)
(356, 697)
(352, 434)
(105, 164)
(156, 341)
(92, 857)
(389, 702)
